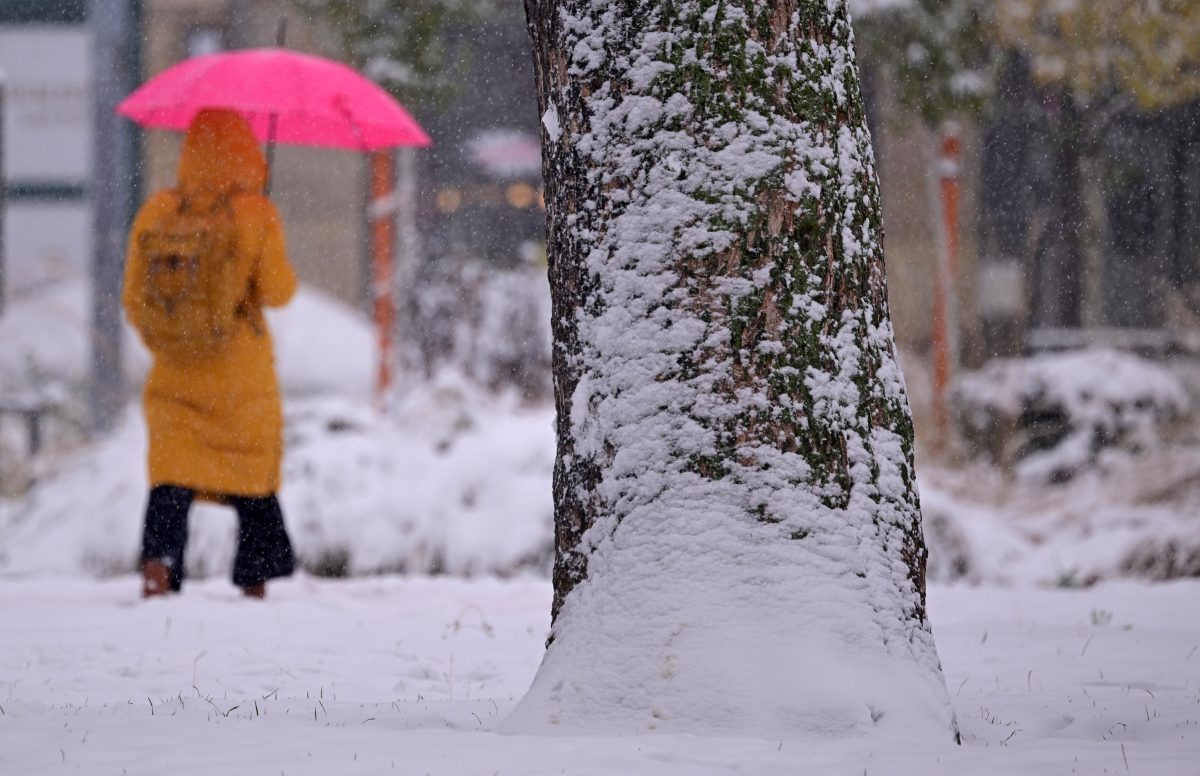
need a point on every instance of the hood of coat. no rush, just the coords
(220, 154)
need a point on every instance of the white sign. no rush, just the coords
(47, 153)
(1001, 288)
(47, 104)
(45, 240)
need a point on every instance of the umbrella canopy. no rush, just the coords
(312, 101)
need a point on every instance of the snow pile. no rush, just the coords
(1050, 416)
(1139, 516)
(1086, 467)
(491, 325)
(47, 337)
(455, 482)
(323, 346)
(860, 9)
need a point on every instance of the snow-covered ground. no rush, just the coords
(409, 675)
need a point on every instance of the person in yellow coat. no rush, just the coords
(214, 418)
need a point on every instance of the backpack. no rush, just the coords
(191, 294)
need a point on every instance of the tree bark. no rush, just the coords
(734, 439)
(566, 188)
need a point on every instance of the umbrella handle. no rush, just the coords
(273, 121)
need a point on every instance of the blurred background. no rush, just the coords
(1040, 169)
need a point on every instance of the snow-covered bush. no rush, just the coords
(1164, 557)
(1140, 517)
(455, 480)
(1086, 468)
(1050, 416)
(492, 325)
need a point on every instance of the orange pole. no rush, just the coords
(944, 342)
(383, 240)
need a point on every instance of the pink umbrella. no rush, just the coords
(309, 100)
(295, 99)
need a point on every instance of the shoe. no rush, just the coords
(258, 591)
(156, 579)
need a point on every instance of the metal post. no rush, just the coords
(382, 215)
(114, 58)
(273, 119)
(3, 202)
(239, 19)
(945, 320)
(407, 265)
(35, 430)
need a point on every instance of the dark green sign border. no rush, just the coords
(43, 11)
(44, 191)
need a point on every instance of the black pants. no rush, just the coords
(264, 550)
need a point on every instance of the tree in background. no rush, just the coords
(401, 44)
(1109, 65)
(738, 533)
(1144, 50)
(946, 52)
(939, 51)
(1073, 74)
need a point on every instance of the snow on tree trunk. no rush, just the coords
(738, 533)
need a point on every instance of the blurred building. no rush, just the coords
(45, 58)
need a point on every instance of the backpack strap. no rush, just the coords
(246, 308)
(181, 199)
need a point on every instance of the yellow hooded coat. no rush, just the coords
(215, 424)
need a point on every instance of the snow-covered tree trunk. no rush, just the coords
(739, 546)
